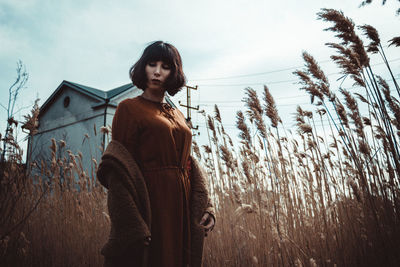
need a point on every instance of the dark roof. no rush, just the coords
(113, 92)
(100, 93)
(103, 96)
(86, 89)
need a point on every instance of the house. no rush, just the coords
(74, 114)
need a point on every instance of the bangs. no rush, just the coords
(160, 52)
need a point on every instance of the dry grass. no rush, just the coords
(323, 196)
(53, 213)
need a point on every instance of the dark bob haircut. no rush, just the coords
(159, 51)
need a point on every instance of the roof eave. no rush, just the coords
(71, 85)
(105, 104)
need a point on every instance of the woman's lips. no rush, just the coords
(155, 81)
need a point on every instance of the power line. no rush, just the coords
(252, 74)
(269, 72)
(276, 98)
(264, 83)
(205, 102)
(248, 84)
(227, 106)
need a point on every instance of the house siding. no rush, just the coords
(78, 125)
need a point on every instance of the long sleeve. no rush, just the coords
(128, 208)
(209, 208)
(124, 214)
(125, 127)
(200, 185)
(200, 203)
(128, 227)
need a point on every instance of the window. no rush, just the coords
(66, 101)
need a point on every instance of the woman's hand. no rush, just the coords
(207, 221)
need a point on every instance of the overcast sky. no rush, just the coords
(95, 42)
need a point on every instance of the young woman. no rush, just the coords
(158, 140)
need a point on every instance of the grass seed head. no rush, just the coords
(394, 41)
(270, 108)
(373, 35)
(314, 69)
(244, 129)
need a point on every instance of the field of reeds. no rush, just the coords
(52, 212)
(314, 196)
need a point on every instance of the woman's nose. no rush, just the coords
(157, 70)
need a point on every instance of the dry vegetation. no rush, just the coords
(320, 196)
(52, 214)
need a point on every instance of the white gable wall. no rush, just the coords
(71, 124)
(80, 107)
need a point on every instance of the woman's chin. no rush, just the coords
(155, 90)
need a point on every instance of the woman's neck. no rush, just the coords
(153, 96)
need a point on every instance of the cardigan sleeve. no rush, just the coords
(200, 185)
(129, 230)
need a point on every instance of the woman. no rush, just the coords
(158, 140)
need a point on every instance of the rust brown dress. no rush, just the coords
(159, 140)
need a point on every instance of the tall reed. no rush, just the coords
(326, 195)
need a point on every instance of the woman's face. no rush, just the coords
(157, 73)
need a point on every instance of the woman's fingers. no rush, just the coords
(204, 218)
(207, 221)
(210, 224)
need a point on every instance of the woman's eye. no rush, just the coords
(152, 64)
(165, 66)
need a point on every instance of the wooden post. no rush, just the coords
(189, 107)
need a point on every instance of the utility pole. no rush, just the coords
(189, 107)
